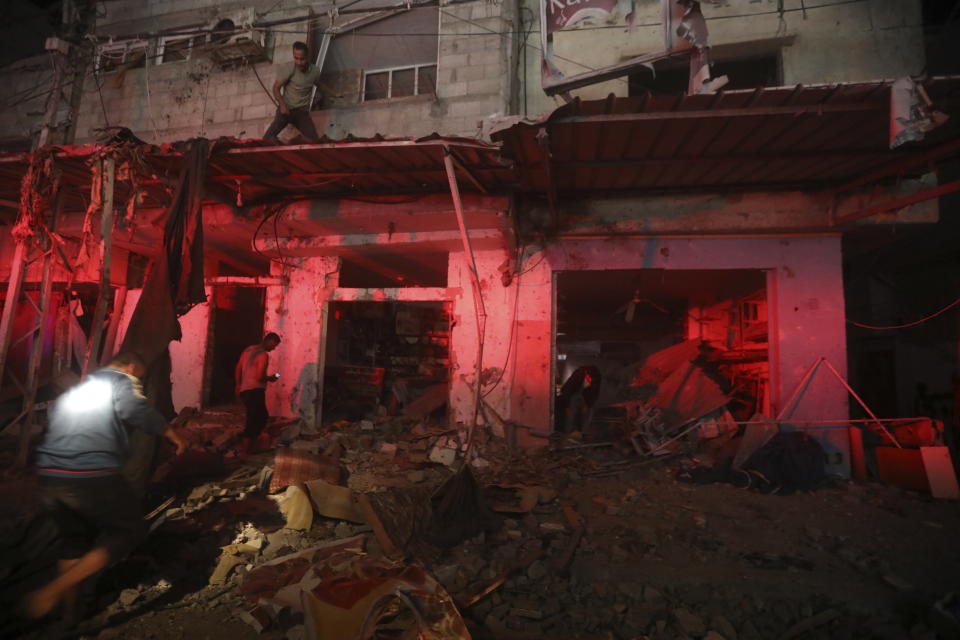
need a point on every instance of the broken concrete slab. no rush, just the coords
(231, 556)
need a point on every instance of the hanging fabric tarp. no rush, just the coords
(174, 285)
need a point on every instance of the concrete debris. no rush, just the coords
(231, 556)
(129, 596)
(560, 564)
(296, 507)
(526, 498)
(443, 453)
(689, 623)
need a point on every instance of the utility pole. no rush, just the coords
(58, 49)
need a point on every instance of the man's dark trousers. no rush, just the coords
(300, 118)
(255, 403)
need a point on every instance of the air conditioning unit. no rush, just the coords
(233, 40)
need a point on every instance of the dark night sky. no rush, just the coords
(24, 26)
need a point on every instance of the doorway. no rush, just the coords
(386, 358)
(608, 323)
(236, 323)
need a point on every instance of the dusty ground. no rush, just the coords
(658, 558)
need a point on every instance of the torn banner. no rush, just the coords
(684, 33)
(557, 15)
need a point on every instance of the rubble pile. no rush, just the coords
(574, 541)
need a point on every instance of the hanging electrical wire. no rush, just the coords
(908, 324)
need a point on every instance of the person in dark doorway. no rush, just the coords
(293, 104)
(79, 463)
(577, 398)
(251, 379)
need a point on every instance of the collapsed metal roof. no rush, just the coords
(802, 137)
(247, 173)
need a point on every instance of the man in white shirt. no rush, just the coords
(251, 380)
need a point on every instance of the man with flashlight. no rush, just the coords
(250, 377)
(79, 462)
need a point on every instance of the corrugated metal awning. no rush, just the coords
(250, 173)
(803, 137)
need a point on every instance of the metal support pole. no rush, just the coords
(106, 233)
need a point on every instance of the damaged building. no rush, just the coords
(603, 233)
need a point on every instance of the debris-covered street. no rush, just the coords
(574, 542)
(479, 320)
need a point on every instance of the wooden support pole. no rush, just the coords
(40, 337)
(106, 234)
(110, 342)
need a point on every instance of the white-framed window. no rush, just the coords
(178, 48)
(399, 82)
(111, 55)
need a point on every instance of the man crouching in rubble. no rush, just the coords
(79, 462)
(250, 377)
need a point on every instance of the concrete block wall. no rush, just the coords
(833, 42)
(473, 81)
(179, 100)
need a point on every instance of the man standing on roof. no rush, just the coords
(293, 105)
(250, 376)
(79, 461)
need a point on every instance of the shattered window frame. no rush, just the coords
(193, 43)
(422, 84)
(111, 55)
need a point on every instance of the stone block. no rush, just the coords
(489, 55)
(240, 101)
(257, 111)
(484, 86)
(224, 115)
(452, 61)
(452, 90)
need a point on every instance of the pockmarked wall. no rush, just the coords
(295, 311)
(805, 291)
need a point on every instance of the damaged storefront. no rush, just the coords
(479, 344)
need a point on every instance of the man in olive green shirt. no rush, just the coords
(293, 105)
